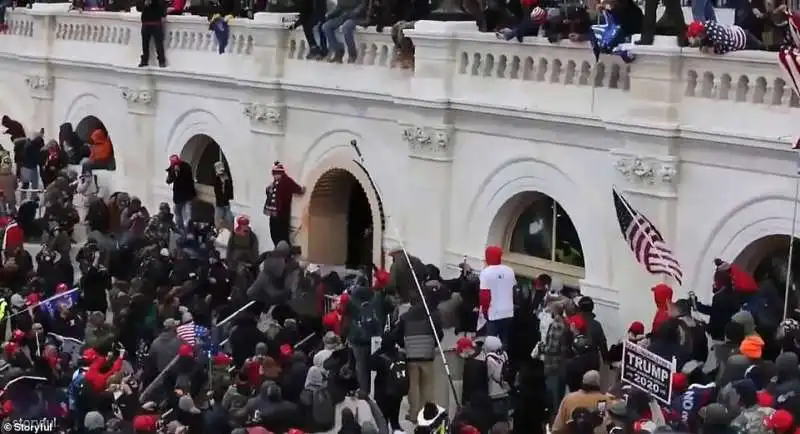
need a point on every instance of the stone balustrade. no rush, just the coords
(736, 94)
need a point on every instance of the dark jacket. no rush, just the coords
(182, 181)
(401, 280)
(414, 328)
(152, 11)
(223, 191)
(724, 305)
(32, 153)
(596, 334)
(13, 128)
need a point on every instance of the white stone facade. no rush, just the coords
(698, 143)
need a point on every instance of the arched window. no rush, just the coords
(541, 238)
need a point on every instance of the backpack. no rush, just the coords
(365, 325)
(323, 412)
(80, 393)
(397, 382)
(506, 373)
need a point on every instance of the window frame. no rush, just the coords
(532, 266)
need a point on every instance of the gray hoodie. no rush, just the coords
(496, 358)
(164, 348)
(317, 376)
(278, 266)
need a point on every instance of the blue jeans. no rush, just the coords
(361, 355)
(348, 27)
(500, 328)
(323, 42)
(30, 180)
(703, 10)
(556, 384)
(224, 215)
(183, 213)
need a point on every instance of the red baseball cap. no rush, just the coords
(636, 328)
(781, 420)
(186, 351)
(463, 344)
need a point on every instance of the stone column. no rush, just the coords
(135, 154)
(429, 170)
(267, 121)
(647, 166)
(41, 87)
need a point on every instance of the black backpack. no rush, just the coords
(397, 382)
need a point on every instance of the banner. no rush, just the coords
(647, 372)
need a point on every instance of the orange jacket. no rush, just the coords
(101, 149)
(98, 379)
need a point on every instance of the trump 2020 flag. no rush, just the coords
(645, 240)
(68, 299)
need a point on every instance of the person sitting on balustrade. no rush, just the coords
(311, 14)
(345, 16)
(408, 13)
(101, 154)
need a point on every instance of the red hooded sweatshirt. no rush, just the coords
(98, 379)
(493, 255)
(662, 295)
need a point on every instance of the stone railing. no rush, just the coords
(455, 65)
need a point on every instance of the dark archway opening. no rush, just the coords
(202, 153)
(359, 228)
(768, 260)
(86, 134)
(340, 221)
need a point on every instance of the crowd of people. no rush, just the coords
(152, 326)
(757, 25)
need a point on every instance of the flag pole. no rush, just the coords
(791, 240)
(630, 211)
(361, 163)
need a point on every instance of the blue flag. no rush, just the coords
(222, 32)
(605, 38)
(68, 298)
(682, 414)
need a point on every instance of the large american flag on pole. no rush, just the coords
(645, 240)
(789, 60)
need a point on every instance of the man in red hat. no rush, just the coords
(278, 206)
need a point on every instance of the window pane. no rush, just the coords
(533, 231)
(568, 245)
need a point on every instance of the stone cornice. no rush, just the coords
(264, 118)
(646, 171)
(40, 86)
(429, 143)
(139, 100)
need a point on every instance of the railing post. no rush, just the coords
(44, 26)
(434, 59)
(270, 51)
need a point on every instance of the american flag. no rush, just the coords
(789, 60)
(191, 333)
(794, 28)
(725, 38)
(645, 241)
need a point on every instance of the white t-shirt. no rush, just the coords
(500, 281)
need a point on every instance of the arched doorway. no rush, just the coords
(767, 259)
(540, 237)
(340, 221)
(202, 152)
(84, 130)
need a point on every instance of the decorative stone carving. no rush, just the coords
(263, 113)
(137, 96)
(38, 83)
(645, 170)
(424, 141)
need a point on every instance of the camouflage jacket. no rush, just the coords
(751, 421)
